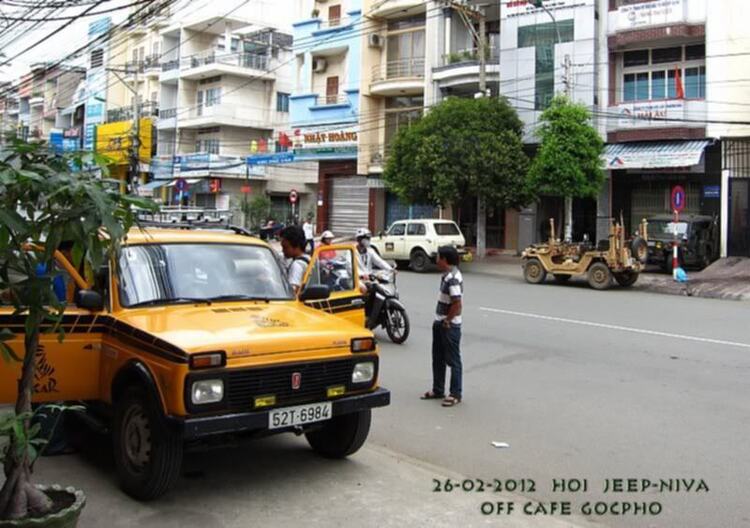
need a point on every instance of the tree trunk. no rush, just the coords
(568, 219)
(18, 497)
(481, 229)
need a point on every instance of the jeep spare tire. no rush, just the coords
(639, 250)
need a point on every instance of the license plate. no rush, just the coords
(299, 415)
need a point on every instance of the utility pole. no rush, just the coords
(481, 38)
(135, 128)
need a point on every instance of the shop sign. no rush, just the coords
(114, 140)
(711, 191)
(514, 8)
(326, 140)
(657, 13)
(651, 113)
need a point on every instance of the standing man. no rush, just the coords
(307, 227)
(293, 247)
(446, 330)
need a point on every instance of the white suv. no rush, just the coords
(417, 241)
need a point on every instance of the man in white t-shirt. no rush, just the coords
(293, 247)
(309, 230)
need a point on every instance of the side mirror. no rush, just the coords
(89, 300)
(316, 292)
(381, 234)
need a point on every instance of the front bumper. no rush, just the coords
(201, 427)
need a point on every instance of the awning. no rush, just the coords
(190, 181)
(654, 154)
(150, 186)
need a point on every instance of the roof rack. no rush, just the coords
(238, 230)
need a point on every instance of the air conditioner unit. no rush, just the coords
(319, 65)
(375, 41)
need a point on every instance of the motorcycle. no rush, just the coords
(383, 307)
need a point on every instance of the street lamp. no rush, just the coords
(539, 4)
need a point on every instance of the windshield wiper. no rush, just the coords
(240, 297)
(172, 300)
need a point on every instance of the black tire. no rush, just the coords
(534, 272)
(626, 279)
(639, 250)
(148, 453)
(419, 261)
(342, 435)
(393, 315)
(561, 279)
(599, 276)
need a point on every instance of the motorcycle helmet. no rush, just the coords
(362, 232)
(327, 235)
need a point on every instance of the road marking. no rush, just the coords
(617, 327)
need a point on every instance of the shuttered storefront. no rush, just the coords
(349, 204)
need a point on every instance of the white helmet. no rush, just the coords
(363, 232)
(326, 235)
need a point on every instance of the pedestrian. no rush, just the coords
(446, 330)
(309, 235)
(293, 247)
(326, 239)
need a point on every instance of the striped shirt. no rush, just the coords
(451, 289)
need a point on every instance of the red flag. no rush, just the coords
(679, 88)
(284, 140)
(262, 145)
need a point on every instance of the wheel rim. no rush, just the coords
(600, 276)
(533, 270)
(136, 438)
(396, 323)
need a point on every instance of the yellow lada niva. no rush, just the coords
(193, 335)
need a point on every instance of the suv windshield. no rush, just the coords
(446, 229)
(167, 273)
(661, 228)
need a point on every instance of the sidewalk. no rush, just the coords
(725, 279)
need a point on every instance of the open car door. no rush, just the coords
(337, 267)
(67, 370)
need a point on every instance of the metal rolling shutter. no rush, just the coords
(349, 204)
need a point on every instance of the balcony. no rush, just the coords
(226, 114)
(125, 113)
(167, 119)
(36, 99)
(392, 8)
(461, 68)
(398, 77)
(210, 64)
(649, 15)
(170, 71)
(152, 66)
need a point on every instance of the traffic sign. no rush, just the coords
(181, 184)
(293, 196)
(679, 198)
(245, 189)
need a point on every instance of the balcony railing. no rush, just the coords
(399, 69)
(335, 22)
(331, 99)
(169, 65)
(125, 113)
(470, 55)
(243, 60)
(167, 113)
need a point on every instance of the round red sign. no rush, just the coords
(679, 198)
(293, 196)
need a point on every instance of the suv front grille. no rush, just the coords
(245, 385)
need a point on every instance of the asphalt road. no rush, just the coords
(584, 385)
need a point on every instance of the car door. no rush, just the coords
(416, 237)
(395, 242)
(67, 370)
(338, 268)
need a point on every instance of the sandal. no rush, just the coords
(450, 401)
(429, 395)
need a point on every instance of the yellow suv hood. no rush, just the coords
(246, 330)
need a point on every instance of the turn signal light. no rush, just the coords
(363, 344)
(208, 360)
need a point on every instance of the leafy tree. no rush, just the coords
(569, 159)
(462, 148)
(45, 200)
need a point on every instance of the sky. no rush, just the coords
(67, 40)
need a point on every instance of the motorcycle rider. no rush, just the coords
(368, 258)
(326, 239)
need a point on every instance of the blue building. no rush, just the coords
(324, 110)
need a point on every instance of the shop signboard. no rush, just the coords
(650, 113)
(326, 141)
(514, 8)
(649, 14)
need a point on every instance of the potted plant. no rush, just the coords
(44, 200)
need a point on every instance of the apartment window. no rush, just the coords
(400, 112)
(334, 15)
(652, 74)
(282, 102)
(135, 56)
(210, 80)
(207, 145)
(142, 54)
(209, 97)
(332, 90)
(97, 58)
(220, 43)
(235, 45)
(155, 49)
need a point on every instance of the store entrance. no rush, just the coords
(739, 218)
